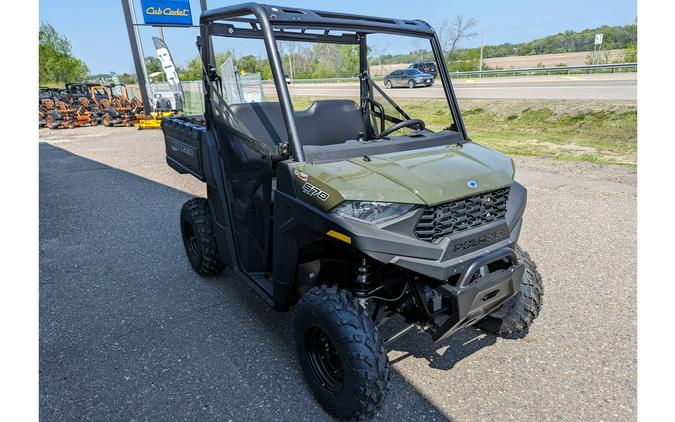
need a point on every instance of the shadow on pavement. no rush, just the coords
(129, 332)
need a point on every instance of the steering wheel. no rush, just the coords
(411, 123)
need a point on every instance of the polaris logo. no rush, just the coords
(484, 239)
(300, 175)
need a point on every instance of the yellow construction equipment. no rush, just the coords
(155, 120)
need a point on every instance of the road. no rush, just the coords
(129, 332)
(619, 86)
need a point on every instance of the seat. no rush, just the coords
(48, 104)
(325, 122)
(63, 108)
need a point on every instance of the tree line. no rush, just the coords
(303, 61)
(57, 63)
(614, 37)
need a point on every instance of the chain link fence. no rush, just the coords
(237, 89)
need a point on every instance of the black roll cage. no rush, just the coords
(272, 23)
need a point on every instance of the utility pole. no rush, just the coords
(137, 52)
(480, 64)
(290, 58)
(290, 49)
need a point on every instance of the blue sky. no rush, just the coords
(98, 35)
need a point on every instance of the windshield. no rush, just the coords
(99, 92)
(338, 94)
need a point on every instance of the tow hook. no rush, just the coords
(490, 295)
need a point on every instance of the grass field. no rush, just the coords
(598, 132)
(194, 102)
(601, 132)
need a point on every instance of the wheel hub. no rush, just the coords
(324, 359)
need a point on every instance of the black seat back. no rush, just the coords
(325, 122)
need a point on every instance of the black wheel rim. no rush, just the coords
(190, 241)
(324, 359)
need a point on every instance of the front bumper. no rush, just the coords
(423, 83)
(472, 299)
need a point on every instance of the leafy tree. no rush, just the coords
(57, 64)
(630, 55)
(248, 64)
(350, 55)
(192, 71)
(153, 65)
(464, 61)
(127, 78)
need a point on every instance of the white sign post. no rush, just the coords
(597, 47)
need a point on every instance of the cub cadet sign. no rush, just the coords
(167, 12)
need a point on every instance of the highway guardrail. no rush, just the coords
(529, 71)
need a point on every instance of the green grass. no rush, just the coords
(603, 137)
(596, 132)
(194, 103)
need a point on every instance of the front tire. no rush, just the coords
(411, 84)
(199, 239)
(517, 315)
(341, 353)
(388, 84)
(51, 122)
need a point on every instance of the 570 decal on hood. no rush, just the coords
(311, 190)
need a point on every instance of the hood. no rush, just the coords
(426, 176)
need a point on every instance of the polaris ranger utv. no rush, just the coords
(351, 213)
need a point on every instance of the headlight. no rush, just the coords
(419, 79)
(372, 212)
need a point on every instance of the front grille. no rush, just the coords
(464, 214)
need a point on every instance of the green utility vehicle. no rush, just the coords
(351, 212)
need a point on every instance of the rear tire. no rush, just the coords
(516, 315)
(411, 84)
(341, 353)
(199, 239)
(107, 120)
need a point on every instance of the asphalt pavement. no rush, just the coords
(604, 86)
(128, 332)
